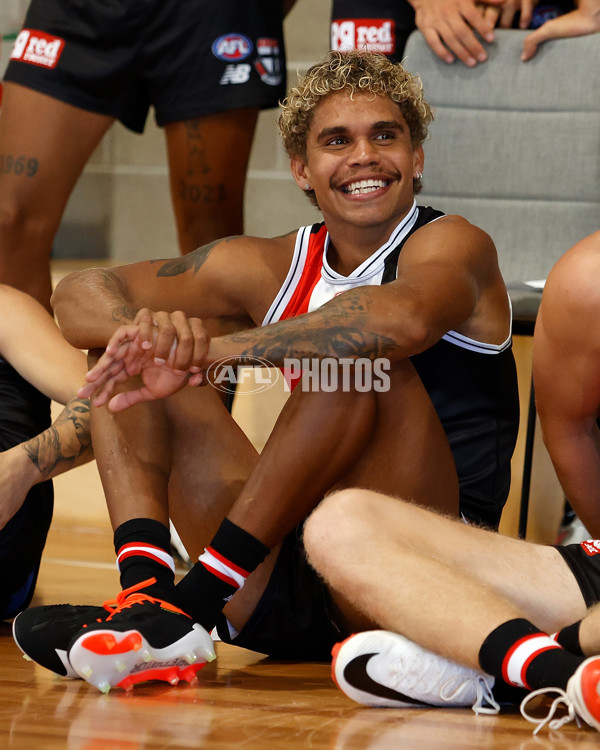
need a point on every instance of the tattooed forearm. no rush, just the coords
(341, 329)
(65, 444)
(194, 260)
(339, 342)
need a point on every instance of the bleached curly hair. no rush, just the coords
(356, 71)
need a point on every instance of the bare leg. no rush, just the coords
(323, 441)
(208, 159)
(326, 440)
(44, 145)
(183, 458)
(442, 583)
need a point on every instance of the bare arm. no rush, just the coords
(32, 343)
(567, 376)
(223, 279)
(443, 273)
(584, 20)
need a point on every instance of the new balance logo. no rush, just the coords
(235, 74)
(37, 48)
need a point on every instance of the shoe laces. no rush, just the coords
(129, 597)
(483, 691)
(554, 724)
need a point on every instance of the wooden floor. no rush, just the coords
(242, 700)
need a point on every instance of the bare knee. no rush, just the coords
(336, 528)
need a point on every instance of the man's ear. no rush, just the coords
(300, 172)
(418, 160)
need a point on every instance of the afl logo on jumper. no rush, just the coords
(37, 48)
(232, 47)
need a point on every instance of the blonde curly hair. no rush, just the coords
(356, 71)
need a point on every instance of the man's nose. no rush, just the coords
(364, 152)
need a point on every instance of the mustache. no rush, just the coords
(337, 182)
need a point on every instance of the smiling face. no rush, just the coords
(360, 162)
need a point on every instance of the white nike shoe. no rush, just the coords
(384, 669)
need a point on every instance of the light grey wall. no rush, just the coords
(121, 207)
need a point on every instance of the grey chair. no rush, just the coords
(515, 148)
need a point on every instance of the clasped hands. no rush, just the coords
(167, 351)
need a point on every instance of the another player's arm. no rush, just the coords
(567, 377)
(443, 270)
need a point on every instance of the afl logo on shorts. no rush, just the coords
(232, 47)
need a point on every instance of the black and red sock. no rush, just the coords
(143, 548)
(220, 571)
(524, 656)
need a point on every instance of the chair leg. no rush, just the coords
(527, 464)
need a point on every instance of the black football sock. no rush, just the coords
(220, 571)
(523, 656)
(143, 548)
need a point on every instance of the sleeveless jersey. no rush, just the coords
(472, 384)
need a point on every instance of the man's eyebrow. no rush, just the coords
(388, 125)
(328, 132)
(342, 129)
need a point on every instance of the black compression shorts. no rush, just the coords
(187, 58)
(291, 619)
(584, 562)
(24, 412)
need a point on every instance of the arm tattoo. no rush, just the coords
(66, 443)
(339, 329)
(194, 260)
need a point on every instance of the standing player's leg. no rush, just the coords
(44, 145)
(208, 160)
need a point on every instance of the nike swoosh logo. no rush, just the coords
(356, 675)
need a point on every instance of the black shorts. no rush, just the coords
(584, 562)
(381, 25)
(291, 619)
(24, 412)
(187, 58)
(385, 25)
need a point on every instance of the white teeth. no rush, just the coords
(364, 186)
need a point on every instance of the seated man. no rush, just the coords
(36, 365)
(405, 305)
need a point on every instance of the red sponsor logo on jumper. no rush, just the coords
(591, 547)
(373, 34)
(37, 48)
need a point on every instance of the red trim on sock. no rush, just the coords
(227, 562)
(220, 575)
(511, 651)
(139, 553)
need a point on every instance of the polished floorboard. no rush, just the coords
(242, 700)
